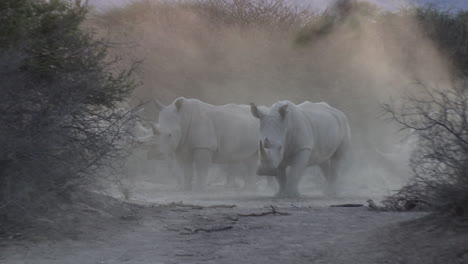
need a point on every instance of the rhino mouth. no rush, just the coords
(263, 170)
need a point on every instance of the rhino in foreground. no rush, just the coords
(198, 134)
(293, 137)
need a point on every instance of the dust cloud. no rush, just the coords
(353, 56)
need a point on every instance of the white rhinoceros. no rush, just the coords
(294, 137)
(198, 134)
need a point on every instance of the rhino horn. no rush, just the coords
(267, 143)
(155, 128)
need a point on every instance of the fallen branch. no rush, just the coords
(221, 206)
(199, 207)
(347, 205)
(272, 212)
(208, 230)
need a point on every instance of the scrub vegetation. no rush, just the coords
(61, 99)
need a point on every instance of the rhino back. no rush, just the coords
(231, 130)
(328, 128)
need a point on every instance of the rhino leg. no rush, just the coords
(338, 163)
(329, 173)
(296, 170)
(281, 179)
(201, 162)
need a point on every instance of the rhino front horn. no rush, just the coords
(155, 128)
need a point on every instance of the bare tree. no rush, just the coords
(439, 118)
(277, 13)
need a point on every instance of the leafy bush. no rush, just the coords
(61, 100)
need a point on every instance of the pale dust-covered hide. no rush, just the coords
(294, 137)
(200, 134)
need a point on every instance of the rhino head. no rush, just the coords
(169, 127)
(272, 138)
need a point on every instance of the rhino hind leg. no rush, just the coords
(336, 167)
(329, 172)
(339, 163)
(201, 162)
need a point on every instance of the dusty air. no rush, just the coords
(233, 131)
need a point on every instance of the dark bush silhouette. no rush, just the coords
(449, 31)
(61, 101)
(439, 119)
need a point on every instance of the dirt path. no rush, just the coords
(311, 233)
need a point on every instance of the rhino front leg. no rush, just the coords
(281, 179)
(201, 162)
(296, 169)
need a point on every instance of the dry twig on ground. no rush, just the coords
(208, 230)
(346, 205)
(272, 212)
(198, 207)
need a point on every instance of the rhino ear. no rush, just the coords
(283, 110)
(256, 112)
(178, 103)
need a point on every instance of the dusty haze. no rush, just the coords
(353, 60)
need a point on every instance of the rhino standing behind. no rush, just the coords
(294, 137)
(199, 134)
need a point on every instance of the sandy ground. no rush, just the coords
(161, 230)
